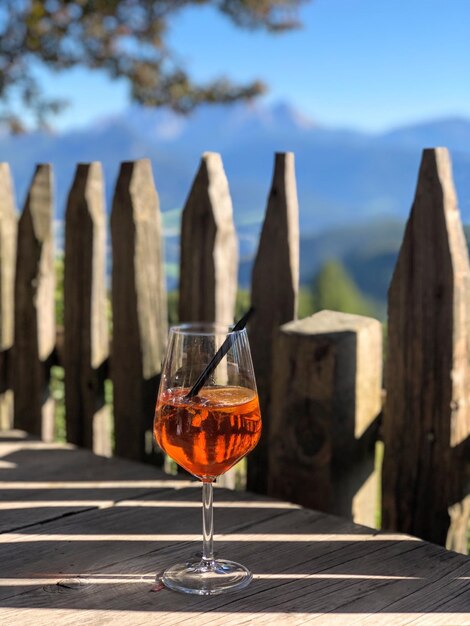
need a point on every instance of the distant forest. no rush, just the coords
(347, 269)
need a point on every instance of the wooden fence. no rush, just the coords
(320, 379)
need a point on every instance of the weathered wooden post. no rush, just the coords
(35, 309)
(8, 226)
(209, 249)
(209, 254)
(427, 413)
(274, 293)
(326, 396)
(85, 321)
(139, 306)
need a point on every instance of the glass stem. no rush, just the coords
(207, 523)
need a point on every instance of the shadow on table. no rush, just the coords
(106, 537)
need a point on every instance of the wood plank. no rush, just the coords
(142, 543)
(86, 346)
(327, 381)
(99, 565)
(310, 574)
(274, 295)
(427, 413)
(140, 323)
(42, 481)
(64, 477)
(140, 618)
(35, 330)
(8, 229)
(209, 248)
(331, 587)
(209, 254)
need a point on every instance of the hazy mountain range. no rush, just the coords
(355, 189)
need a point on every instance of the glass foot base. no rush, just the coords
(207, 578)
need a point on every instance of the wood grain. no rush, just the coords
(209, 248)
(85, 320)
(8, 229)
(140, 323)
(274, 294)
(209, 254)
(35, 330)
(98, 565)
(427, 413)
(326, 398)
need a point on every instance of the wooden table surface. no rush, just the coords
(82, 537)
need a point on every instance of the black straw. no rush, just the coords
(219, 355)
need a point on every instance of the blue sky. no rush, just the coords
(365, 64)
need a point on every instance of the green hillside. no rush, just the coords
(367, 252)
(334, 289)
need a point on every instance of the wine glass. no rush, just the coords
(207, 428)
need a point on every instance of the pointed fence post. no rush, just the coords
(85, 320)
(139, 307)
(326, 398)
(209, 248)
(209, 254)
(8, 227)
(274, 293)
(35, 332)
(427, 412)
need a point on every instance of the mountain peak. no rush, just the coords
(285, 111)
(221, 120)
